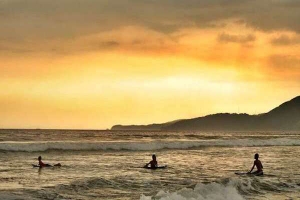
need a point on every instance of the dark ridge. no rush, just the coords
(284, 117)
(152, 127)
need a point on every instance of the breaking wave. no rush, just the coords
(226, 189)
(142, 145)
(212, 191)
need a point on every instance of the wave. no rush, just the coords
(142, 145)
(211, 191)
(226, 189)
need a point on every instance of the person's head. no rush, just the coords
(154, 157)
(256, 156)
(40, 158)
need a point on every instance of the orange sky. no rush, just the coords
(92, 64)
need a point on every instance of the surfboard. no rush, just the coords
(56, 165)
(159, 167)
(242, 173)
(247, 174)
(35, 165)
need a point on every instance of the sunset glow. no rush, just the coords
(137, 62)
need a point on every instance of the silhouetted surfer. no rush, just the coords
(41, 164)
(258, 165)
(153, 163)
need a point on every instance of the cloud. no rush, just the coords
(48, 19)
(150, 27)
(236, 38)
(284, 40)
(283, 67)
(131, 39)
(284, 62)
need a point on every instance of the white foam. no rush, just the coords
(142, 145)
(212, 191)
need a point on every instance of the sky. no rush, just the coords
(91, 64)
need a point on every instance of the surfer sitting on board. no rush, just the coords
(41, 164)
(152, 163)
(258, 165)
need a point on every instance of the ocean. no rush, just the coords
(108, 165)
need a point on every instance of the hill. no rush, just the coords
(152, 127)
(284, 117)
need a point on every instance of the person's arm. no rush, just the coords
(147, 164)
(252, 167)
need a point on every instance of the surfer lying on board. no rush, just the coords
(41, 164)
(152, 163)
(258, 165)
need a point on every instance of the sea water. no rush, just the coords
(108, 165)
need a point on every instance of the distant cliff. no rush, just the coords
(284, 117)
(152, 127)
